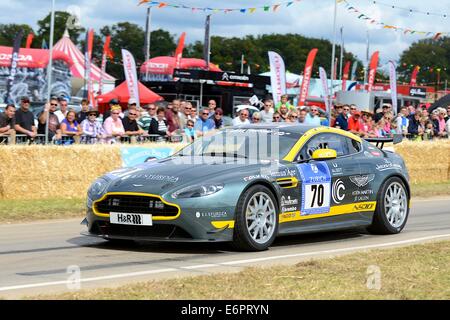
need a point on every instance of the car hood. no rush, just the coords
(162, 176)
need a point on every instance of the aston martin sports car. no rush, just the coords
(249, 184)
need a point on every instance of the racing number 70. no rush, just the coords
(318, 193)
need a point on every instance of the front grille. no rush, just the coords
(136, 204)
(163, 231)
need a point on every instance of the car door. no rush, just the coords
(325, 185)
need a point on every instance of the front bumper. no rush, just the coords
(195, 223)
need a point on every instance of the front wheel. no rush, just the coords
(256, 224)
(392, 209)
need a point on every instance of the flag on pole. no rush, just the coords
(277, 76)
(414, 76)
(207, 44)
(325, 90)
(179, 51)
(353, 76)
(14, 63)
(29, 40)
(345, 75)
(307, 77)
(372, 70)
(107, 53)
(88, 57)
(129, 68)
(393, 84)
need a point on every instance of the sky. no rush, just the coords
(312, 18)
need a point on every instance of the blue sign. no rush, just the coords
(316, 187)
(132, 156)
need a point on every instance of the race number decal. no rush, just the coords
(316, 188)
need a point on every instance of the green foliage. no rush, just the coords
(431, 56)
(9, 31)
(62, 21)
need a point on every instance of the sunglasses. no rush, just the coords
(92, 115)
(132, 114)
(205, 113)
(293, 117)
(190, 125)
(276, 117)
(218, 114)
(345, 109)
(256, 119)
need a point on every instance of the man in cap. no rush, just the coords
(25, 120)
(53, 121)
(354, 123)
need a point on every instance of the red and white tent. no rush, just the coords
(78, 67)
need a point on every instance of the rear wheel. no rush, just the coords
(392, 209)
(256, 224)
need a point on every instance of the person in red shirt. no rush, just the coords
(354, 123)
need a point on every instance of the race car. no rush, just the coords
(249, 184)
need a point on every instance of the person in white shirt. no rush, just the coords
(312, 118)
(267, 113)
(402, 121)
(242, 118)
(62, 112)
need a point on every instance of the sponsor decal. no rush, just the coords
(155, 177)
(316, 188)
(363, 206)
(362, 195)
(20, 57)
(267, 174)
(338, 191)
(288, 204)
(362, 180)
(388, 165)
(215, 214)
(336, 170)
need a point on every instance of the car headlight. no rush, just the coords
(197, 191)
(97, 188)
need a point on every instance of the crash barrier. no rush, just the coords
(36, 172)
(84, 139)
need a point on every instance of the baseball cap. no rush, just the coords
(132, 101)
(25, 99)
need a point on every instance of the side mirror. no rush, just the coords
(324, 154)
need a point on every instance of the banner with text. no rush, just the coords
(277, 76)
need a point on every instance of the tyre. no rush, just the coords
(256, 221)
(392, 208)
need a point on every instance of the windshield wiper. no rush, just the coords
(223, 154)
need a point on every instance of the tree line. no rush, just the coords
(226, 52)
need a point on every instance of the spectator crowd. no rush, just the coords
(180, 120)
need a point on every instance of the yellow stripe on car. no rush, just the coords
(334, 211)
(223, 224)
(312, 132)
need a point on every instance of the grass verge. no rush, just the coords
(32, 210)
(413, 272)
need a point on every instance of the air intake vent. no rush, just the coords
(290, 182)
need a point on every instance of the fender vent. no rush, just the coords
(290, 182)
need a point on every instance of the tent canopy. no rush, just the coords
(165, 65)
(31, 58)
(78, 61)
(442, 102)
(121, 93)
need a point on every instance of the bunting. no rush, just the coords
(250, 10)
(407, 31)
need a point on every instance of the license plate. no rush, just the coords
(134, 219)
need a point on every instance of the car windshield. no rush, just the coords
(260, 144)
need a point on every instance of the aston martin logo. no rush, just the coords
(362, 180)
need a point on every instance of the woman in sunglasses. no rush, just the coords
(256, 117)
(277, 117)
(218, 118)
(113, 125)
(189, 131)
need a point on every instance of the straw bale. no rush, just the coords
(37, 172)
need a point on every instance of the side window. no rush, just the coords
(353, 145)
(325, 141)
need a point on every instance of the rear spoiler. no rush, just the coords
(396, 138)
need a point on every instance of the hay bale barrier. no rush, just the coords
(48, 172)
(427, 162)
(38, 172)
